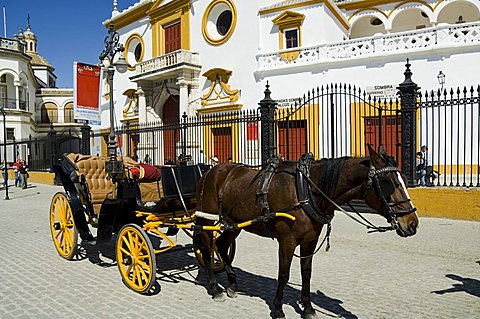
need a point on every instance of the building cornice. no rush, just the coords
(44, 92)
(292, 4)
(130, 15)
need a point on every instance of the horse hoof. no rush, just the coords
(232, 293)
(310, 316)
(219, 297)
(278, 315)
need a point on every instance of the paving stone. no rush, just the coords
(434, 274)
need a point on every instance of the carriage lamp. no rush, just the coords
(5, 171)
(112, 46)
(441, 79)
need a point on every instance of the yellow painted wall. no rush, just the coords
(35, 177)
(447, 202)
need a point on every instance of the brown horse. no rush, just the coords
(232, 191)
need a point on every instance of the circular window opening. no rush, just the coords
(423, 14)
(376, 21)
(219, 20)
(138, 52)
(224, 22)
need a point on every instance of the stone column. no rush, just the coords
(142, 106)
(17, 94)
(183, 95)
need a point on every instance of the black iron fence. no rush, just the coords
(449, 129)
(329, 121)
(205, 138)
(40, 152)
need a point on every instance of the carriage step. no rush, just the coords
(207, 216)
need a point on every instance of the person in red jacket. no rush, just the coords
(16, 168)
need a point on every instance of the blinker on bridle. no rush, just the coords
(385, 188)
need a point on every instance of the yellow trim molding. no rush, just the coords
(124, 19)
(125, 53)
(220, 96)
(162, 16)
(206, 14)
(129, 109)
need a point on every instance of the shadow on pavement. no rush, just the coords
(469, 285)
(177, 265)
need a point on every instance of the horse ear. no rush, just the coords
(381, 150)
(376, 159)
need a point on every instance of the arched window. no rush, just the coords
(49, 113)
(366, 26)
(458, 12)
(68, 113)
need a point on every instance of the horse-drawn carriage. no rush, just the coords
(121, 208)
(143, 209)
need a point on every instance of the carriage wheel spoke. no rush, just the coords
(126, 252)
(143, 264)
(127, 243)
(143, 274)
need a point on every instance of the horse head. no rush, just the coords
(387, 193)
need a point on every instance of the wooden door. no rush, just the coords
(222, 143)
(391, 135)
(171, 134)
(292, 139)
(173, 37)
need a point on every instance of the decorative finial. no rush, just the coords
(28, 21)
(115, 5)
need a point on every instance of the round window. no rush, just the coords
(219, 21)
(138, 52)
(134, 50)
(224, 22)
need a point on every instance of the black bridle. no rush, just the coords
(384, 186)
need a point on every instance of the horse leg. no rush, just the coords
(223, 243)
(285, 255)
(307, 249)
(203, 242)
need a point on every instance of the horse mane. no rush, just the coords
(330, 169)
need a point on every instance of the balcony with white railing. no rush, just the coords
(445, 37)
(165, 65)
(12, 45)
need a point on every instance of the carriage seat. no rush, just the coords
(101, 187)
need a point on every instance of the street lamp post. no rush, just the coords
(5, 171)
(441, 80)
(112, 47)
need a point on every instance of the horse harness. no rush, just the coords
(385, 188)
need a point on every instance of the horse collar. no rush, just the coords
(304, 191)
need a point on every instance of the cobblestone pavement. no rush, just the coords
(434, 274)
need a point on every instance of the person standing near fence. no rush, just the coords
(24, 174)
(4, 174)
(16, 168)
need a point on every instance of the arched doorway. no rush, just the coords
(171, 134)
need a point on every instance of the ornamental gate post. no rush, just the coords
(267, 128)
(52, 137)
(408, 110)
(85, 141)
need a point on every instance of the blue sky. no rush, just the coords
(67, 30)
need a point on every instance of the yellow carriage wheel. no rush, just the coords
(216, 261)
(62, 226)
(136, 258)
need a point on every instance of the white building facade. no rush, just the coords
(212, 56)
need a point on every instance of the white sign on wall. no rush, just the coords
(386, 91)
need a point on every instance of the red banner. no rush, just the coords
(87, 92)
